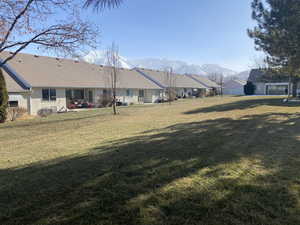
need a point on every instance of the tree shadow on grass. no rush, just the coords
(244, 104)
(54, 119)
(223, 171)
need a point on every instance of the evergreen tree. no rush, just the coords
(3, 98)
(249, 88)
(278, 34)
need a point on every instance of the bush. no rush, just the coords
(45, 112)
(105, 101)
(3, 99)
(14, 113)
(249, 88)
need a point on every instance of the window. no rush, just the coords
(13, 103)
(79, 94)
(45, 93)
(128, 92)
(107, 92)
(49, 94)
(141, 93)
(52, 94)
(69, 94)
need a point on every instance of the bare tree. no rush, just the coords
(170, 82)
(113, 70)
(221, 83)
(33, 22)
(218, 78)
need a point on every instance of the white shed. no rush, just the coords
(234, 87)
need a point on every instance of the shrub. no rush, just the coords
(105, 101)
(14, 113)
(249, 88)
(45, 112)
(3, 99)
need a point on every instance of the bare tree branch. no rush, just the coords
(102, 4)
(26, 22)
(113, 69)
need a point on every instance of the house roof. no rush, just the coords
(234, 83)
(265, 75)
(12, 85)
(41, 71)
(255, 75)
(204, 81)
(181, 81)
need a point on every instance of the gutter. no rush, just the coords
(15, 76)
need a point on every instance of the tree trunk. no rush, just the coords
(289, 88)
(295, 87)
(114, 104)
(3, 98)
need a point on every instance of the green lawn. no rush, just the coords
(214, 161)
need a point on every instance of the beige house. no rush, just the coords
(38, 82)
(183, 84)
(210, 86)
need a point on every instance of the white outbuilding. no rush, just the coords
(234, 87)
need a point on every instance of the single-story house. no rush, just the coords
(268, 83)
(38, 82)
(182, 84)
(234, 87)
(210, 86)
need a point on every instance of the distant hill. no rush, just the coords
(240, 76)
(181, 67)
(216, 69)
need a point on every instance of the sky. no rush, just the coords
(194, 31)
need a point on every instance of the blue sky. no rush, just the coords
(195, 31)
(200, 31)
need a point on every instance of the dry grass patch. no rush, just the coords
(231, 160)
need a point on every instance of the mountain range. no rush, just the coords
(181, 67)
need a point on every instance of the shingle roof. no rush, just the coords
(234, 83)
(12, 85)
(255, 75)
(242, 82)
(204, 81)
(41, 71)
(264, 75)
(181, 81)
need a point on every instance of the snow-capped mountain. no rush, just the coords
(244, 75)
(160, 64)
(98, 57)
(181, 67)
(240, 76)
(216, 69)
